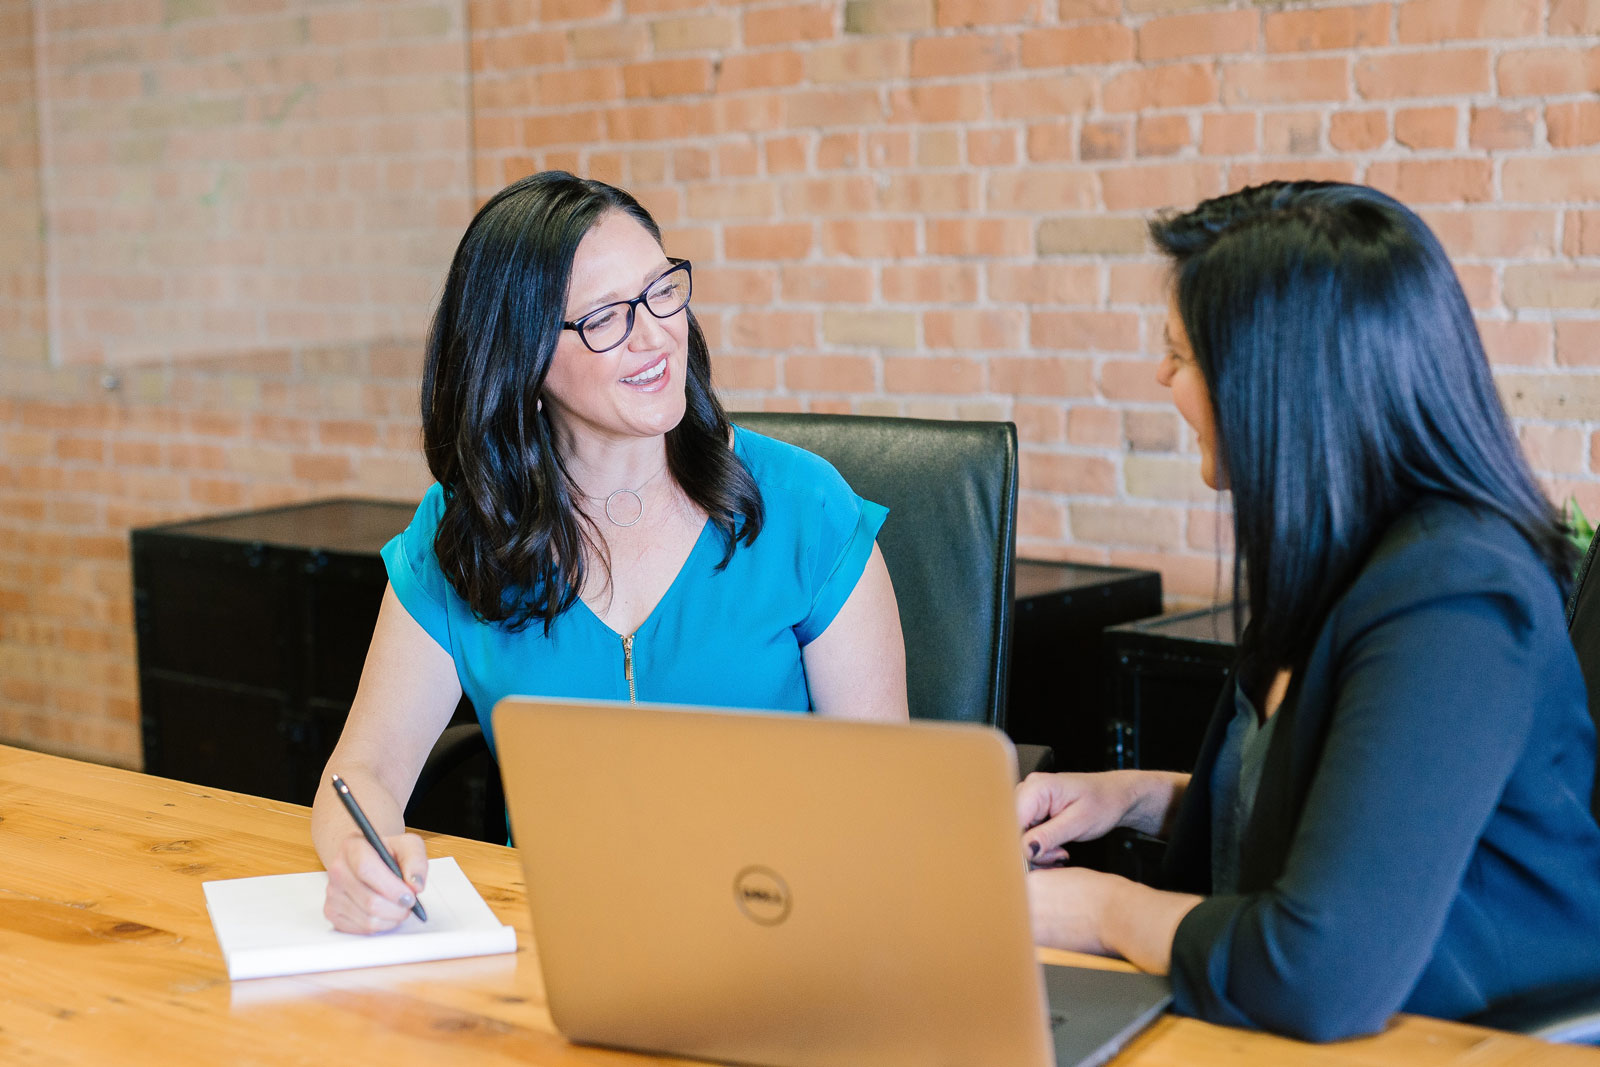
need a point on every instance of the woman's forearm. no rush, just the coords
(331, 823)
(1139, 923)
(408, 689)
(1157, 795)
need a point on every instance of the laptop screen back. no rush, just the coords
(774, 889)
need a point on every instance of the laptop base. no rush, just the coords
(1093, 1013)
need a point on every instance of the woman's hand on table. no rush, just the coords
(1080, 910)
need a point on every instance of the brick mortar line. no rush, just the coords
(1496, 47)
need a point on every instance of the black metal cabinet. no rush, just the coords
(253, 629)
(1167, 674)
(1060, 690)
(252, 632)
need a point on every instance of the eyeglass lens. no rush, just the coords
(611, 325)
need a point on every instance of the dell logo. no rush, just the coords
(762, 895)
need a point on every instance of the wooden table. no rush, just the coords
(107, 954)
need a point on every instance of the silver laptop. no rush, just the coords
(791, 891)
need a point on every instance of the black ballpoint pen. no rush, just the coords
(372, 837)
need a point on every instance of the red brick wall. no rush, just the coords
(226, 175)
(924, 207)
(935, 207)
(245, 199)
(23, 347)
(22, 307)
(82, 466)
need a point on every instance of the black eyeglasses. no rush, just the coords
(606, 327)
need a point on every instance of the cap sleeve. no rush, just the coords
(846, 530)
(414, 573)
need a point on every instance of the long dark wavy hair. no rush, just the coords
(1348, 382)
(511, 541)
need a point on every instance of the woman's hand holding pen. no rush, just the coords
(364, 897)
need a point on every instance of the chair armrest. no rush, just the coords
(1032, 758)
(455, 746)
(1569, 1014)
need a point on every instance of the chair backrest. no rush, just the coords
(1583, 626)
(949, 542)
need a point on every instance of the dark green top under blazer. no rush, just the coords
(1421, 839)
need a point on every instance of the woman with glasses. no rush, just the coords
(597, 528)
(1391, 807)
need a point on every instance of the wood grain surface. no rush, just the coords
(107, 956)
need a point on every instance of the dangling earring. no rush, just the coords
(538, 405)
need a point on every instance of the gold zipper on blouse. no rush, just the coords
(627, 666)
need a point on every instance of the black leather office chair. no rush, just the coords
(1571, 1013)
(949, 544)
(458, 790)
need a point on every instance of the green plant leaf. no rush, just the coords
(1579, 528)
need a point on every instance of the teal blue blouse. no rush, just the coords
(726, 638)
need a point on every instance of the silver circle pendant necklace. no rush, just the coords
(613, 508)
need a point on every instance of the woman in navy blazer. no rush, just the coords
(1391, 807)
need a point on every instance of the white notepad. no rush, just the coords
(274, 925)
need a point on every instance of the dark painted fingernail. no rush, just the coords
(1033, 848)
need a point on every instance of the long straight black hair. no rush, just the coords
(511, 541)
(1347, 381)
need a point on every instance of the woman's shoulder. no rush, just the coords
(778, 466)
(432, 505)
(1469, 538)
(1445, 548)
(410, 554)
(425, 520)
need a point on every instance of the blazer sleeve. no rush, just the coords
(1434, 706)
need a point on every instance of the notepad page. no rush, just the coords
(273, 925)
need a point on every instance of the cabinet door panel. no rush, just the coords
(1170, 707)
(223, 612)
(342, 599)
(218, 736)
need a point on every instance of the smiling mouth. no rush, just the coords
(649, 374)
